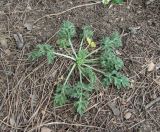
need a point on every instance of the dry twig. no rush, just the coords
(62, 12)
(152, 103)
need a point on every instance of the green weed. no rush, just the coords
(86, 61)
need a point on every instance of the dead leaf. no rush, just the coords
(157, 80)
(114, 109)
(33, 100)
(45, 129)
(28, 26)
(158, 66)
(43, 112)
(149, 2)
(151, 66)
(12, 120)
(3, 41)
(29, 8)
(134, 30)
(8, 52)
(127, 115)
(118, 52)
(132, 83)
(19, 40)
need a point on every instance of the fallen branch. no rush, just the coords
(64, 123)
(62, 12)
(152, 103)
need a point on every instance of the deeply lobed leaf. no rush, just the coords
(88, 72)
(60, 99)
(114, 41)
(61, 94)
(43, 50)
(67, 31)
(110, 61)
(81, 105)
(119, 80)
(63, 42)
(81, 92)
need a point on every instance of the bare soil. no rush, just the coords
(27, 88)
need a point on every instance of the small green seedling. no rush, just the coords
(86, 62)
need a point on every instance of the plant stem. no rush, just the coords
(74, 65)
(66, 56)
(97, 70)
(68, 52)
(74, 52)
(81, 44)
(92, 61)
(80, 74)
(87, 47)
(84, 75)
(94, 51)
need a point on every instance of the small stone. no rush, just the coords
(118, 52)
(134, 30)
(149, 2)
(45, 129)
(158, 66)
(128, 115)
(29, 7)
(8, 52)
(114, 109)
(19, 40)
(151, 66)
(28, 26)
(3, 42)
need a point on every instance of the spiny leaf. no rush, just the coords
(81, 92)
(114, 41)
(106, 43)
(62, 92)
(63, 42)
(108, 79)
(118, 63)
(60, 99)
(42, 50)
(67, 30)
(110, 61)
(81, 89)
(120, 81)
(50, 57)
(117, 78)
(81, 105)
(88, 72)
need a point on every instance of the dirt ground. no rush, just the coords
(27, 88)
